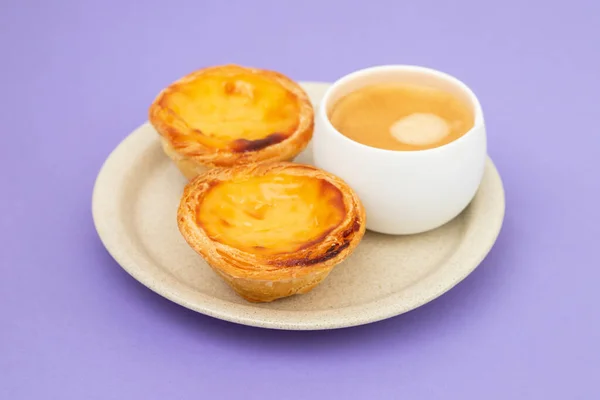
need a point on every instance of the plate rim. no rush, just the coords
(221, 309)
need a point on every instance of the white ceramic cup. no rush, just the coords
(404, 192)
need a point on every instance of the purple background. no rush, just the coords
(77, 78)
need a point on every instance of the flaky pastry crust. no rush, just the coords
(264, 275)
(194, 151)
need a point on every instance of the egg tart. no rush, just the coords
(271, 230)
(231, 115)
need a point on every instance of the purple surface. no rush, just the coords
(77, 78)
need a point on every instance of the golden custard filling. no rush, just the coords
(271, 214)
(240, 112)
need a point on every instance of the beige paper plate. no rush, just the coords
(134, 208)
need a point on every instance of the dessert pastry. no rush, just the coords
(230, 115)
(271, 230)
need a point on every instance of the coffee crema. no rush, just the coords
(404, 117)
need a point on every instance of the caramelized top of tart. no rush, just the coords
(272, 213)
(233, 108)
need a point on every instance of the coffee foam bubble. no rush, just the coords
(420, 129)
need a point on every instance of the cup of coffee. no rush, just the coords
(410, 141)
